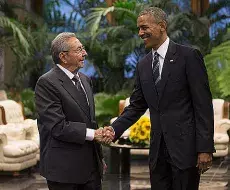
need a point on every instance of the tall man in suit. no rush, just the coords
(171, 80)
(70, 155)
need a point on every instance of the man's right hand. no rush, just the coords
(108, 134)
(98, 135)
(104, 135)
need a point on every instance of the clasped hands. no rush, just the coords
(104, 135)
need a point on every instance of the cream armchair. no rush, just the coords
(221, 127)
(16, 151)
(11, 112)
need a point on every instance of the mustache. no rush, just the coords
(145, 36)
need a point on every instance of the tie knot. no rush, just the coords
(75, 78)
(156, 55)
(77, 81)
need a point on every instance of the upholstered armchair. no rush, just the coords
(11, 112)
(17, 152)
(221, 127)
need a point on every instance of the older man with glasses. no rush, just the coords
(70, 155)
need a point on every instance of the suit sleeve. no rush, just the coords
(99, 147)
(131, 113)
(51, 117)
(202, 102)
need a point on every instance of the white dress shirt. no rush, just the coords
(162, 50)
(89, 132)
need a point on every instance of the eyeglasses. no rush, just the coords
(78, 50)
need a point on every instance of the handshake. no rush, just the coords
(104, 135)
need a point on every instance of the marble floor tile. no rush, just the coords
(217, 178)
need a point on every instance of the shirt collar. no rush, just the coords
(66, 71)
(162, 50)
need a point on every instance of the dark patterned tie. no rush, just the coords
(81, 91)
(156, 66)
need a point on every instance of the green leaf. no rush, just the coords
(218, 67)
(17, 31)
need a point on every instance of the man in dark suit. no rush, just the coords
(70, 155)
(171, 80)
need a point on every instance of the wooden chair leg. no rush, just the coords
(16, 174)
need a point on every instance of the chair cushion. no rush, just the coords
(19, 148)
(221, 153)
(221, 146)
(19, 159)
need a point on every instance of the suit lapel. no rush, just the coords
(149, 72)
(89, 93)
(72, 90)
(169, 61)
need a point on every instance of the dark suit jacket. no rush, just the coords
(65, 155)
(182, 112)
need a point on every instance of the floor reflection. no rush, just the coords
(216, 178)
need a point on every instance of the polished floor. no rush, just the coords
(217, 178)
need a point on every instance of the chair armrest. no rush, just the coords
(3, 141)
(29, 130)
(221, 138)
(222, 126)
(16, 131)
(34, 130)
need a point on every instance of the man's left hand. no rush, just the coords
(204, 162)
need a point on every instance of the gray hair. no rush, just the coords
(157, 13)
(59, 44)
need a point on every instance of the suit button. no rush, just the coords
(165, 133)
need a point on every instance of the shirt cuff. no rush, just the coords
(89, 134)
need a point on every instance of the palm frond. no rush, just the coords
(217, 63)
(17, 30)
(219, 18)
(96, 17)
